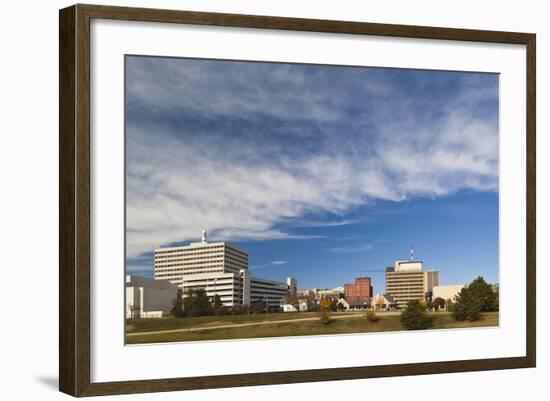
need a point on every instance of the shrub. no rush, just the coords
(326, 304)
(258, 307)
(371, 316)
(239, 309)
(325, 317)
(415, 317)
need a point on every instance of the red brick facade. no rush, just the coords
(360, 291)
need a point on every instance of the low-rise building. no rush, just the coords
(447, 292)
(146, 297)
(384, 302)
(289, 308)
(345, 304)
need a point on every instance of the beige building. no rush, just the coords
(407, 281)
(447, 292)
(221, 269)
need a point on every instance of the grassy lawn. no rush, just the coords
(446, 321)
(172, 323)
(348, 324)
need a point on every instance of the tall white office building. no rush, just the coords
(219, 268)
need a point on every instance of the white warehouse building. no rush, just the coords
(220, 269)
(146, 297)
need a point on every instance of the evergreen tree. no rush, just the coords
(196, 303)
(475, 298)
(466, 306)
(415, 317)
(485, 293)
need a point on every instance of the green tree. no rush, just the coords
(496, 303)
(217, 305)
(485, 293)
(466, 306)
(473, 299)
(177, 304)
(415, 317)
(196, 303)
(438, 303)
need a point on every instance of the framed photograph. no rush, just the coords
(250, 200)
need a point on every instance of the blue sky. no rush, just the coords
(324, 173)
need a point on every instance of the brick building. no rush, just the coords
(359, 292)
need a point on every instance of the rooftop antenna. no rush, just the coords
(204, 235)
(412, 253)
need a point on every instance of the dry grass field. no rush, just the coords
(172, 329)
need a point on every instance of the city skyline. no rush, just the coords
(370, 259)
(318, 175)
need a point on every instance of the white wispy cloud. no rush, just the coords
(273, 263)
(322, 223)
(353, 248)
(243, 150)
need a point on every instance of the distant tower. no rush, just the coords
(204, 235)
(412, 253)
